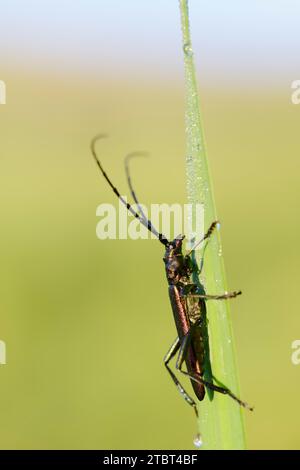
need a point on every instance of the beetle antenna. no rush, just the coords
(144, 221)
(132, 191)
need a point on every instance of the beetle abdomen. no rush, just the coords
(194, 366)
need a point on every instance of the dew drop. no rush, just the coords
(218, 226)
(198, 441)
(187, 49)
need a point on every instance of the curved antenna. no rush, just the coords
(144, 221)
(132, 191)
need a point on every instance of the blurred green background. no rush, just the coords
(87, 322)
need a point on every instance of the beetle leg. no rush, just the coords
(216, 388)
(227, 295)
(207, 236)
(170, 354)
(185, 344)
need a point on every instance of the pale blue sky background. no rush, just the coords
(233, 40)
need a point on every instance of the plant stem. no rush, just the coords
(220, 418)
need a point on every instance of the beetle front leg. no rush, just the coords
(207, 236)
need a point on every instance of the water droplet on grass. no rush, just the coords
(198, 441)
(187, 49)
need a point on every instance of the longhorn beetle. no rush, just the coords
(186, 297)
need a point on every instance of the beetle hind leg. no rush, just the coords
(170, 354)
(183, 349)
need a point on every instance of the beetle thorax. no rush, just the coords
(174, 262)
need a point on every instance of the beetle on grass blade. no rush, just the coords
(188, 301)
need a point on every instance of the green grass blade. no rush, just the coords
(220, 420)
